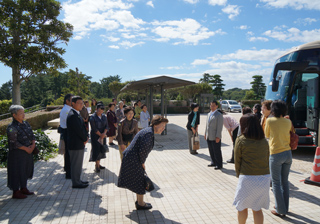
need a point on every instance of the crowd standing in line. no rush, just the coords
(192, 125)
(127, 129)
(20, 158)
(99, 128)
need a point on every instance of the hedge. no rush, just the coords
(37, 120)
(4, 106)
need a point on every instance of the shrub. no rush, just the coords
(46, 147)
(4, 106)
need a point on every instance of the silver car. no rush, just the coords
(230, 106)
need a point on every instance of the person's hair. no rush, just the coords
(135, 104)
(111, 104)
(246, 110)
(278, 108)
(120, 102)
(138, 101)
(100, 106)
(114, 99)
(67, 97)
(123, 99)
(76, 98)
(194, 105)
(127, 110)
(222, 112)
(157, 119)
(215, 102)
(95, 102)
(13, 109)
(142, 106)
(86, 101)
(267, 104)
(250, 127)
(257, 107)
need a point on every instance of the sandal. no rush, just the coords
(277, 214)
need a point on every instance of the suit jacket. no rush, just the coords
(214, 126)
(76, 129)
(190, 118)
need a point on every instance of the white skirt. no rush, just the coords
(252, 192)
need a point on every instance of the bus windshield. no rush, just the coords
(284, 83)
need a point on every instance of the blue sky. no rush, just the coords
(138, 39)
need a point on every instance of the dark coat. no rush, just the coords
(97, 124)
(77, 133)
(190, 118)
(131, 174)
(112, 119)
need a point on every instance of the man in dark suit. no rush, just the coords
(77, 138)
(213, 135)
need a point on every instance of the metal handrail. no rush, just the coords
(29, 110)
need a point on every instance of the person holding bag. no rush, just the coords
(20, 156)
(99, 128)
(132, 170)
(127, 129)
(192, 126)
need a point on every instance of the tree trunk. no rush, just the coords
(16, 81)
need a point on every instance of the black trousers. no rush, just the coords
(234, 138)
(215, 153)
(67, 166)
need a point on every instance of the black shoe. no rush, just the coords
(230, 161)
(68, 177)
(102, 167)
(147, 206)
(211, 165)
(81, 186)
(85, 182)
(97, 170)
(218, 168)
(112, 143)
(194, 153)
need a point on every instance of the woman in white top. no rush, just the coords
(144, 117)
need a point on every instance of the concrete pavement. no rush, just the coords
(187, 191)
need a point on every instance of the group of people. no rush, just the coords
(261, 153)
(261, 148)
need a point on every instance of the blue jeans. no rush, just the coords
(280, 164)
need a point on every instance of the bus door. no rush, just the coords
(312, 103)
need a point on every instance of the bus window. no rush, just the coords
(284, 82)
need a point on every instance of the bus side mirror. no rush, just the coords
(275, 85)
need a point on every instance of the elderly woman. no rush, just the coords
(20, 160)
(144, 117)
(252, 169)
(99, 128)
(127, 129)
(278, 131)
(132, 168)
(192, 125)
(119, 112)
(112, 123)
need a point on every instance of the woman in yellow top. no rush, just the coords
(278, 131)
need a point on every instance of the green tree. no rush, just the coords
(30, 39)
(258, 87)
(217, 85)
(115, 88)
(206, 78)
(78, 83)
(6, 91)
(191, 92)
(250, 95)
(105, 84)
(96, 90)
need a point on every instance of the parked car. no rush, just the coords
(230, 106)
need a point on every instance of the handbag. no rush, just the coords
(294, 139)
(148, 183)
(195, 141)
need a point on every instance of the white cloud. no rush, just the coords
(253, 39)
(119, 59)
(172, 67)
(88, 15)
(191, 1)
(232, 11)
(200, 62)
(128, 36)
(243, 27)
(251, 55)
(189, 31)
(217, 2)
(149, 3)
(293, 34)
(128, 44)
(305, 21)
(114, 47)
(295, 4)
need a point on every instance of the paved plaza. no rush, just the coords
(187, 191)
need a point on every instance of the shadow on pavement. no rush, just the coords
(147, 216)
(301, 219)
